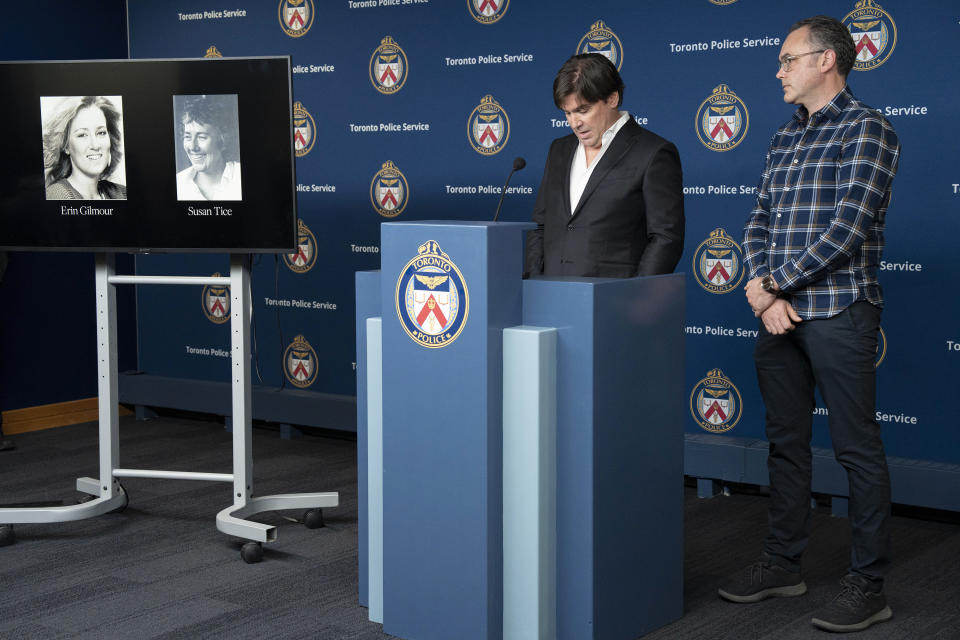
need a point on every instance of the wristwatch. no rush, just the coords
(768, 285)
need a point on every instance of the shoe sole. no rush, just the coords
(880, 616)
(790, 591)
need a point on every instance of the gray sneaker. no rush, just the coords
(762, 580)
(853, 609)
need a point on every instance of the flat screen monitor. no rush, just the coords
(148, 155)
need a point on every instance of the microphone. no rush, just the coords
(518, 163)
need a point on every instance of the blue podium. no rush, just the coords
(520, 443)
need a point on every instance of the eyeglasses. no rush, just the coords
(786, 61)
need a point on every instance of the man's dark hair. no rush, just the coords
(589, 75)
(829, 33)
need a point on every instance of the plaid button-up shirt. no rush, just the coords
(817, 228)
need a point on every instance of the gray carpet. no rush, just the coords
(724, 534)
(160, 569)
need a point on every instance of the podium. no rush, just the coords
(520, 443)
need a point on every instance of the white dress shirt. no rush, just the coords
(580, 172)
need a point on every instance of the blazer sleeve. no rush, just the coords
(533, 256)
(663, 199)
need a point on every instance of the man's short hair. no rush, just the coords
(589, 75)
(829, 33)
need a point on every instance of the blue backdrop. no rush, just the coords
(47, 305)
(415, 109)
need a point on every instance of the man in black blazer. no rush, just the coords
(611, 200)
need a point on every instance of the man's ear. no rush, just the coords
(829, 60)
(613, 100)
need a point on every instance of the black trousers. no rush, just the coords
(837, 355)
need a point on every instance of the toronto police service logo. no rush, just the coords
(715, 403)
(432, 298)
(212, 52)
(722, 120)
(717, 263)
(388, 67)
(306, 254)
(881, 348)
(216, 302)
(304, 130)
(389, 191)
(722, 2)
(300, 363)
(487, 11)
(488, 127)
(296, 17)
(600, 39)
(874, 34)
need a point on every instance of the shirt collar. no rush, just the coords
(829, 111)
(609, 134)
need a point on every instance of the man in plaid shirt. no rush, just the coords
(812, 246)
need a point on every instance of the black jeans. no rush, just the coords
(837, 355)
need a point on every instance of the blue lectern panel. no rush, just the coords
(569, 307)
(619, 451)
(368, 306)
(447, 291)
(638, 436)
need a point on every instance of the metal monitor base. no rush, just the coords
(107, 492)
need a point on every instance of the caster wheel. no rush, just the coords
(85, 498)
(313, 519)
(6, 535)
(251, 552)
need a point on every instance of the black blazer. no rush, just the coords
(629, 220)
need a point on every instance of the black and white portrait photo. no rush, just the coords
(83, 147)
(208, 147)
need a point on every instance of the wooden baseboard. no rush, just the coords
(46, 416)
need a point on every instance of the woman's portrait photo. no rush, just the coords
(83, 148)
(208, 147)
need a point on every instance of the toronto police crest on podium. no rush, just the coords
(432, 298)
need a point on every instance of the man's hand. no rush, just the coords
(759, 299)
(780, 317)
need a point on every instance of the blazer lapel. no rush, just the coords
(565, 161)
(618, 148)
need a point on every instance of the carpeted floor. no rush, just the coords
(160, 569)
(725, 533)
